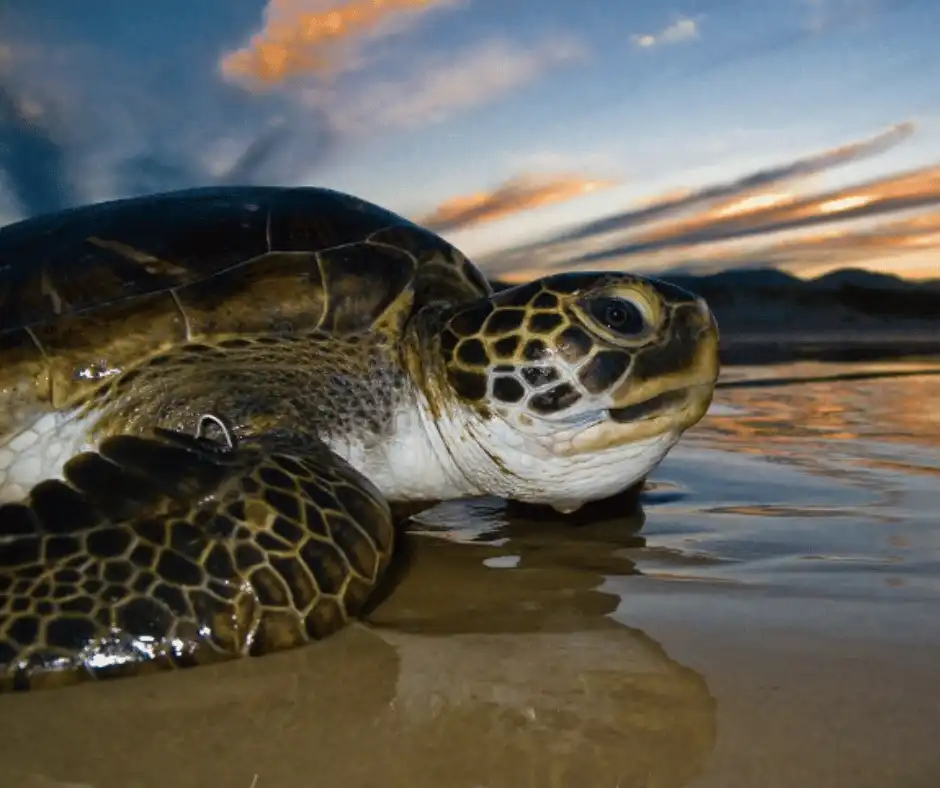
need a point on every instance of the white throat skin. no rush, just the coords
(538, 466)
(460, 454)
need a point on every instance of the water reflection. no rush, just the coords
(895, 402)
(468, 675)
(825, 481)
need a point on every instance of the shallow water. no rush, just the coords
(770, 616)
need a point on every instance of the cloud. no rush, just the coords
(439, 86)
(916, 189)
(554, 160)
(831, 247)
(747, 208)
(682, 200)
(31, 157)
(316, 78)
(47, 162)
(316, 37)
(325, 56)
(824, 15)
(517, 194)
(683, 29)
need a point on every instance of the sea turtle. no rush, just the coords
(209, 399)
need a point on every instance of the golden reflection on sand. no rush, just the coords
(468, 676)
(771, 421)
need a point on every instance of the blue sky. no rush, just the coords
(565, 111)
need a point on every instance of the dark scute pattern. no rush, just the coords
(449, 341)
(539, 376)
(189, 539)
(574, 344)
(472, 352)
(70, 632)
(503, 321)
(326, 563)
(444, 275)
(97, 479)
(269, 587)
(299, 582)
(470, 386)
(507, 346)
(24, 630)
(535, 350)
(286, 504)
(108, 542)
(61, 508)
(508, 390)
(555, 399)
(275, 477)
(605, 369)
(190, 235)
(545, 300)
(325, 619)
(144, 617)
(219, 563)
(359, 553)
(288, 530)
(18, 520)
(172, 468)
(178, 570)
(270, 543)
(171, 596)
(469, 321)
(361, 282)
(116, 572)
(545, 322)
(314, 520)
(21, 550)
(58, 548)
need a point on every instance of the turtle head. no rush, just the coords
(578, 383)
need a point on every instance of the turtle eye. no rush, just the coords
(618, 314)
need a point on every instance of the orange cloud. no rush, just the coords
(761, 219)
(520, 193)
(297, 39)
(770, 211)
(680, 202)
(441, 85)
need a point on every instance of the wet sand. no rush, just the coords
(768, 617)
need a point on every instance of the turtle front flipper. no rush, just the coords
(171, 551)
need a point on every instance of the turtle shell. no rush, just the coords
(87, 292)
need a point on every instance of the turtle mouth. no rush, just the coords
(650, 408)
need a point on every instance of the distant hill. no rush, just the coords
(865, 294)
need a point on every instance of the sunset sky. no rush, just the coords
(534, 134)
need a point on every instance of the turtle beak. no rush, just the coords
(654, 406)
